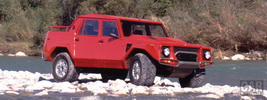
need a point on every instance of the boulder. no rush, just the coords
(3, 87)
(11, 55)
(238, 57)
(12, 93)
(20, 54)
(226, 58)
(42, 93)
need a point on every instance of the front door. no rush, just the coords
(86, 42)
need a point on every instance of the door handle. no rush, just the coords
(77, 39)
(101, 41)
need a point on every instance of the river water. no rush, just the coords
(221, 73)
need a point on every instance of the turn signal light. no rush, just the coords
(170, 62)
(203, 64)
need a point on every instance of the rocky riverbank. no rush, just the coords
(36, 84)
(18, 54)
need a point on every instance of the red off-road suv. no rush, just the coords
(114, 46)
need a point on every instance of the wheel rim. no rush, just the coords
(61, 68)
(136, 70)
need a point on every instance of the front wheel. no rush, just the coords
(195, 79)
(142, 71)
(63, 68)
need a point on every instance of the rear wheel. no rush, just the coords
(142, 71)
(63, 68)
(113, 75)
(195, 79)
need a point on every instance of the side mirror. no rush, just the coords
(114, 35)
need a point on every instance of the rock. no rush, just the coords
(2, 93)
(11, 55)
(187, 90)
(36, 86)
(139, 90)
(12, 93)
(213, 96)
(1, 54)
(238, 57)
(91, 98)
(247, 58)
(157, 80)
(3, 87)
(20, 54)
(156, 90)
(226, 58)
(42, 93)
(245, 98)
(68, 90)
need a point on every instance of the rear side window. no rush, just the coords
(89, 27)
(109, 27)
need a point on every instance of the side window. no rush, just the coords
(89, 27)
(109, 27)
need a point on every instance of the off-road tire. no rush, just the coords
(195, 79)
(113, 75)
(147, 70)
(71, 73)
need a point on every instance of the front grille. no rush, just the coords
(187, 57)
(186, 54)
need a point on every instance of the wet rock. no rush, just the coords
(97, 87)
(3, 87)
(68, 90)
(34, 87)
(45, 84)
(245, 98)
(42, 93)
(139, 90)
(238, 57)
(11, 55)
(20, 54)
(12, 93)
(2, 93)
(213, 96)
(226, 58)
(156, 90)
(187, 90)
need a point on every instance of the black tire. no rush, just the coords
(63, 68)
(113, 75)
(144, 73)
(195, 79)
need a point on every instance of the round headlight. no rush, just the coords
(166, 52)
(207, 55)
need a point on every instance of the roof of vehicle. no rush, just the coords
(117, 17)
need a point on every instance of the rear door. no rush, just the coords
(111, 50)
(86, 42)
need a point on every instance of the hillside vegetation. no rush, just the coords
(235, 25)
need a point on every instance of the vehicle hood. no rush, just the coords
(162, 41)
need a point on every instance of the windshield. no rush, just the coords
(147, 29)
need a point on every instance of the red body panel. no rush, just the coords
(108, 52)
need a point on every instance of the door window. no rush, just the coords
(109, 27)
(89, 27)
